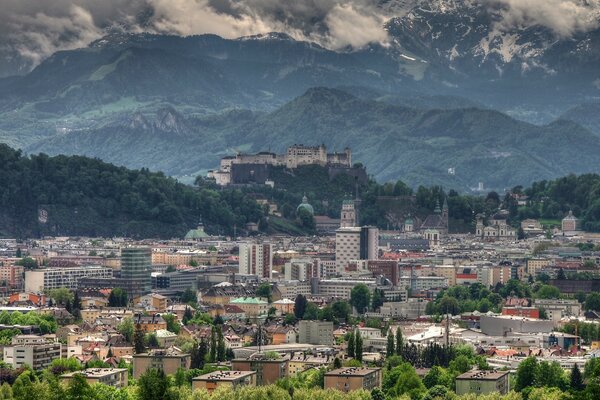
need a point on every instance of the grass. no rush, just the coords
(548, 223)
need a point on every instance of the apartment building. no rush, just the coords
(115, 377)
(256, 259)
(316, 332)
(216, 379)
(167, 360)
(31, 350)
(66, 277)
(353, 378)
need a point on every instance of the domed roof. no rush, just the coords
(306, 206)
(194, 234)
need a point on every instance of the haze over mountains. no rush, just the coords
(411, 106)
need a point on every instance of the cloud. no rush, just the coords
(563, 17)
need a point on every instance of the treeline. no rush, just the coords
(42, 195)
(553, 199)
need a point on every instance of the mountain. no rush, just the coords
(394, 142)
(586, 114)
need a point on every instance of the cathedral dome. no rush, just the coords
(306, 206)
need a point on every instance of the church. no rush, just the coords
(435, 226)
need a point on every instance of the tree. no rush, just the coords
(265, 291)
(28, 263)
(117, 298)
(189, 296)
(337, 363)
(198, 354)
(138, 339)
(153, 385)
(389, 350)
(311, 312)
(306, 219)
(360, 297)
(79, 389)
(152, 340)
(213, 345)
(358, 347)
(526, 372)
(377, 300)
(399, 341)
(300, 306)
(576, 379)
(172, 323)
(548, 292)
(341, 310)
(592, 302)
(126, 328)
(220, 344)
(561, 275)
(449, 305)
(351, 345)
(61, 296)
(187, 315)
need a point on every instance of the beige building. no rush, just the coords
(232, 379)
(252, 306)
(31, 350)
(534, 265)
(116, 377)
(447, 271)
(167, 360)
(348, 379)
(483, 382)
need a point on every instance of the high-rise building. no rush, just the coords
(256, 259)
(136, 269)
(355, 243)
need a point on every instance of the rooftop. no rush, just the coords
(482, 375)
(352, 371)
(95, 372)
(224, 375)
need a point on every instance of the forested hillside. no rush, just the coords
(42, 195)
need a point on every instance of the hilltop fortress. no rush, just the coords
(255, 168)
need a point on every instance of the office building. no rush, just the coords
(136, 269)
(256, 259)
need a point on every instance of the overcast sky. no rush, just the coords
(34, 29)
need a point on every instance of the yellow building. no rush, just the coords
(536, 264)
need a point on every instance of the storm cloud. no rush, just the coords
(34, 29)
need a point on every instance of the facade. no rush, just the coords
(40, 280)
(231, 379)
(534, 265)
(556, 309)
(12, 275)
(500, 325)
(256, 259)
(353, 378)
(136, 269)
(115, 377)
(356, 243)
(316, 332)
(497, 229)
(167, 360)
(31, 350)
(483, 382)
(252, 306)
(411, 309)
(348, 216)
(301, 269)
(570, 224)
(341, 288)
(267, 371)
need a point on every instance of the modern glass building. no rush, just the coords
(136, 268)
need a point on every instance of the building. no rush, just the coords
(483, 382)
(12, 275)
(301, 269)
(435, 226)
(340, 288)
(348, 215)
(353, 378)
(497, 229)
(356, 243)
(115, 377)
(534, 265)
(256, 259)
(150, 323)
(136, 269)
(267, 371)
(570, 224)
(501, 325)
(518, 311)
(40, 280)
(316, 332)
(31, 350)
(252, 306)
(423, 283)
(167, 360)
(389, 269)
(231, 379)
(410, 309)
(556, 309)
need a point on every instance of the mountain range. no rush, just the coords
(452, 88)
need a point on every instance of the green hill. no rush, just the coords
(42, 195)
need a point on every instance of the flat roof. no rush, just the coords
(352, 371)
(95, 372)
(224, 375)
(482, 375)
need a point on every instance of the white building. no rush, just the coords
(256, 259)
(341, 288)
(63, 277)
(301, 269)
(355, 243)
(31, 350)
